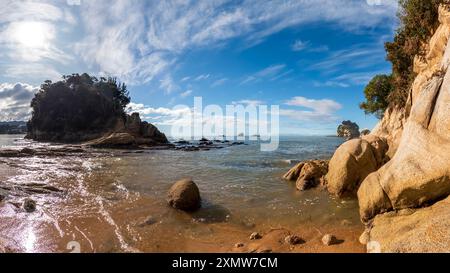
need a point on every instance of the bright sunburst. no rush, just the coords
(32, 34)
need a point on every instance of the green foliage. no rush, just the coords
(377, 93)
(418, 22)
(77, 104)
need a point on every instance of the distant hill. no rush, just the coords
(13, 127)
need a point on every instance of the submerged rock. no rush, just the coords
(184, 195)
(29, 205)
(150, 220)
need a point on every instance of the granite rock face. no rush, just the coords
(401, 202)
(352, 162)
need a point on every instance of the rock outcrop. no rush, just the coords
(352, 162)
(418, 175)
(307, 174)
(130, 132)
(348, 130)
(419, 172)
(114, 140)
(184, 195)
(413, 230)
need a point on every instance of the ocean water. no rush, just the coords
(107, 194)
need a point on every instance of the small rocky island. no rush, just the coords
(348, 130)
(84, 109)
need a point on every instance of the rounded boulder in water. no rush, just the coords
(184, 195)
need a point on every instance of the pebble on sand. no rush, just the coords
(329, 239)
(293, 240)
(255, 236)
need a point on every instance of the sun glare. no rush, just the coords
(32, 34)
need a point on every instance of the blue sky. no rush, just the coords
(313, 58)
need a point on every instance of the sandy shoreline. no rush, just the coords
(85, 208)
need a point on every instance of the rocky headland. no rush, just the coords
(400, 172)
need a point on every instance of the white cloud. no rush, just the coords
(248, 102)
(183, 116)
(331, 83)
(357, 57)
(32, 71)
(350, 79)
(13, 10)
(219, 82)
(300, 45)
(321, 111)
(139, 41)
(271, 72)
(29, 35)
(323, 106)
(168, 85)
(186, 93)
(15, 101)
(122, 34)
(147, 111)
(360, 78)
(202, 77)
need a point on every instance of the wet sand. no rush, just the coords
(122, 228)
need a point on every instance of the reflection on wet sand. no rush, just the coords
(115, 202)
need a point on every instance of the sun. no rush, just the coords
(32, 34)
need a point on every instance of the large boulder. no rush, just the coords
(412, 230)
(308, 174)
(348, 130)
(352, 162)
(184, 195)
